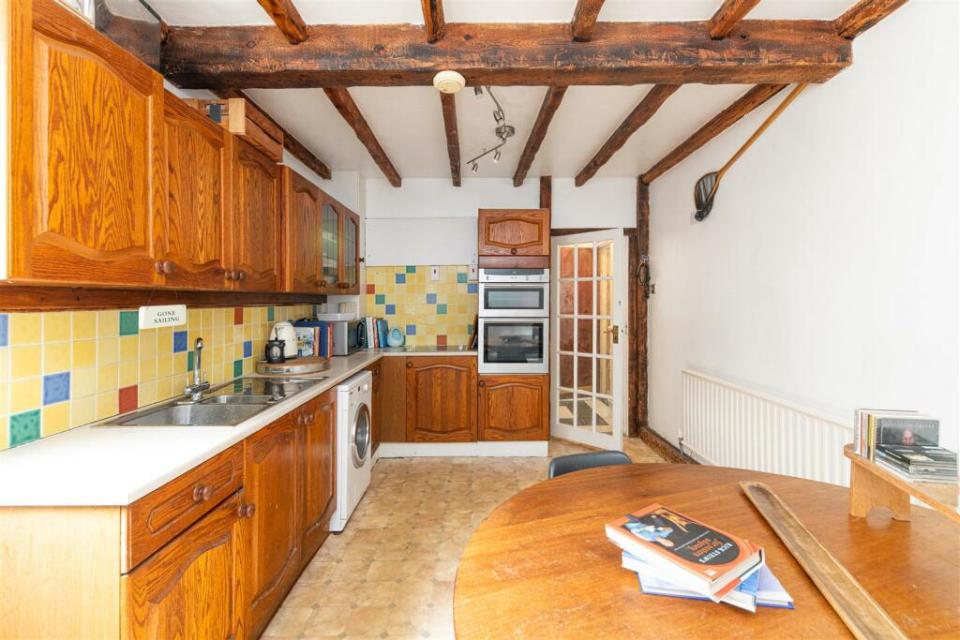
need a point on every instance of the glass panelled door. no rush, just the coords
(589, 348)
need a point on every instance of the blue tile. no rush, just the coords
(247, 348)
(441, 309)
(472, 287)
(4, 329)
(179, 341)
(411, 329)
(461, 278)
(411, 268)
(24, 427)
(56, 387)
(391, 310)
(431, 298)
(401, 278)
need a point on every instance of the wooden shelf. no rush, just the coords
(871, 486)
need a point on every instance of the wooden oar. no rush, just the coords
(861, 613)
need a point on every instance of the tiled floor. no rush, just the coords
(391, 573)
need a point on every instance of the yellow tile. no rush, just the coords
(4, 363)
(108, 404)
(165, 388)
(129, 373)
(164, 366)
(83, 410)
(24, 361)
(179, 363)
(25, 394)
(108, 351)
(165, 340)
(84, 325)
(148, 370)
(107, 377)
(194, 319)
(148, 343)
(56, 418)
(4, 400)
(56, 357)
(83, 382)
(56, 327)
(108, 324)
(3, 432)
(24, 328)
(147, 394)
(84, 354)
(208, 317)
(129, 349)
(247, 315)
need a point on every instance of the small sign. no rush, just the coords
(168, 315)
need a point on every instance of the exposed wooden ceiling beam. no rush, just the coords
(728, 15)
(620, 53)
(449, 106)
(637, 118)
(549, 106)
(584, 18)
(546, 192)
(433, 19)
(291, 144)
(287, 19)
(344, 103)
(864, 15)
(723, 120)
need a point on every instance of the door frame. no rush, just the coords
(620, 317)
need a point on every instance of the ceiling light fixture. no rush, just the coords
(449, 81)
(503, 131)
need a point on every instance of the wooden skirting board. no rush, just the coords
(536, 449)
(663, 448)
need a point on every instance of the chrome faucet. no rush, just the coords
(195, 390)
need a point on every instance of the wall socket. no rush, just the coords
(434, 273)
(472, 272)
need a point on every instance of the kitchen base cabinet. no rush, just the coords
(392, 424)
(514, 407)
(318, 464)
(376, 411)
(441, 398)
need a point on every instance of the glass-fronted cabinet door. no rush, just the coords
(351, 252)
(329, 247)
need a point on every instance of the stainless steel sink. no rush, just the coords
(239, 399)
(192, 415)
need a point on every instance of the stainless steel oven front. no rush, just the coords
(498, 300)
(513, 345)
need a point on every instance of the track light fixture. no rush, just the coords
(503, 131)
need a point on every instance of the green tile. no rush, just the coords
(380, 298)
(237, 368)
(441, 309)
(129, 323)
(411, 268)
(270, 314)
(189, 360)
(24, 427)
(461, 278)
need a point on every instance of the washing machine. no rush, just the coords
(354, 444)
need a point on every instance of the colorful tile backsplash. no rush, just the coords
(427, 311)
(64, 369)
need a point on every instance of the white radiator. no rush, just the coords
(728, 425)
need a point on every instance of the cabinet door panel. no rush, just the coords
(514, 407)
(87, 121)
(331, 245)
(351, 253)
(271, 486)
(302, 205)
(318, 470)
(376, 370)
(191, 233)
(256, 219)
(191, 587)
(514, 232)
(441, 399)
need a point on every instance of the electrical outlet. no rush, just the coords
(434, 273)
(472, 272)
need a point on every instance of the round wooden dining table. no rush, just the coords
(540, 566)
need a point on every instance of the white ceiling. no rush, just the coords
(408, 122)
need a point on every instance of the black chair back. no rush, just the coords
(578, 461)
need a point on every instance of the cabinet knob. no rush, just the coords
(228, 274)
(165, 267)
(241, 275)
(202, 493)
(513, 251)
(409, 365)
(482, 383)
(246, 510)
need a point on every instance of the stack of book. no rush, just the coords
(906, 443)
(675, 555)
(377, 331)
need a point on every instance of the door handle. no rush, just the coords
(614, 330)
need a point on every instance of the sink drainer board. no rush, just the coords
(311, 364)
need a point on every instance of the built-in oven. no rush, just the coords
(513, 345)
(502, 300)
(515, 276)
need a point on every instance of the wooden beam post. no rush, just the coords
(287, 19)
(584, 19)
(717, 125)
(864, 15)
(549, 106)
(344, 103)
(546, 192)
(728, 15)
(449, 106)
(639, 244)
(620, 53)
(637, 118)
(433, 21)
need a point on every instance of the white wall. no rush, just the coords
(827, 272)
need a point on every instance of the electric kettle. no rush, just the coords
(285, 331)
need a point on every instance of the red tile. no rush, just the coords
(238, 315)
(371, 289)
(441, 341)
(128, 398)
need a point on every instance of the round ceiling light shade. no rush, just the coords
(449, 82)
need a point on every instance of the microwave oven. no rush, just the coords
(503, 300)
(348, 336)
(513, 345)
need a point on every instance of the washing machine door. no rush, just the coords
(360, 436)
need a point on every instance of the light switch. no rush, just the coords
(434, 273)
(472, 272)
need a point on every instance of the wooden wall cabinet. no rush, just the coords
(513, 232)
(514, 407)
(340, 249)
(302, 229)
(86, 163)
(441, 398)
(318, 464)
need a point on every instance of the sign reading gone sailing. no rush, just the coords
(168, 315)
